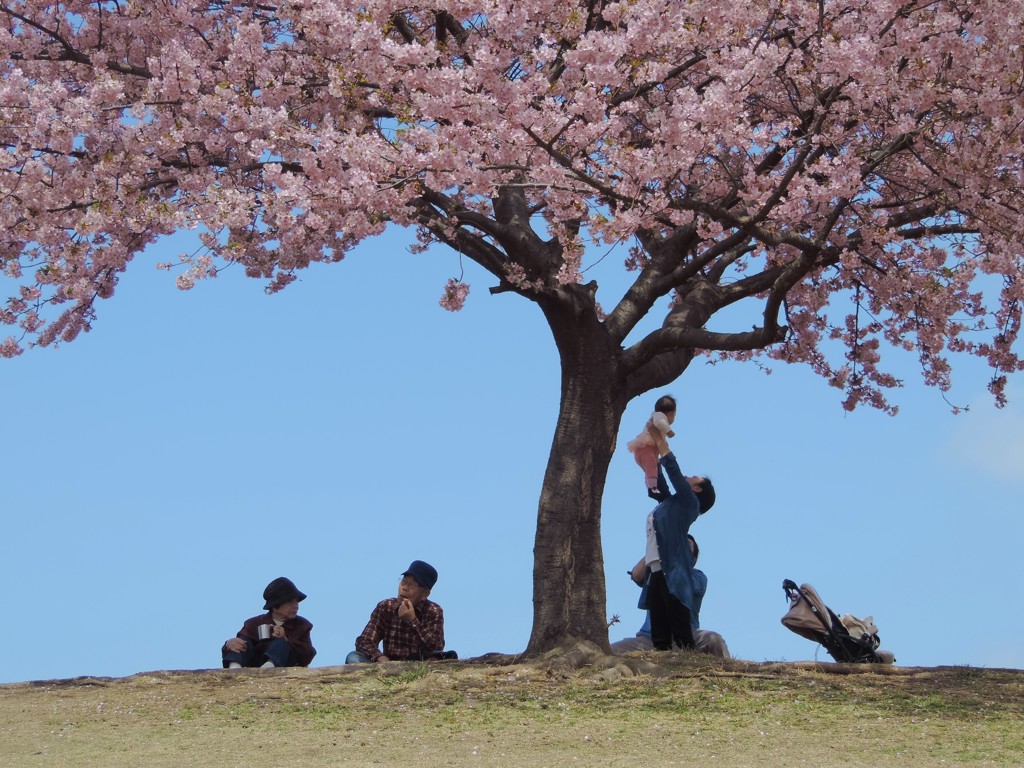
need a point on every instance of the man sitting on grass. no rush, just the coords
(410, 626)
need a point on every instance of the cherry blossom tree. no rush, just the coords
(848, 171)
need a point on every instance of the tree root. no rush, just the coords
(582, 654)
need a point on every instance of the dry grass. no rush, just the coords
(689, 710)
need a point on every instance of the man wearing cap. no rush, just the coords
(279, 638)
(410, 626)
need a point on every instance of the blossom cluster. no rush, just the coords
(851, 171)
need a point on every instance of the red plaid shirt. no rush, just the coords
(402, 640)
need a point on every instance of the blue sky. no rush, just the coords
(160, 470)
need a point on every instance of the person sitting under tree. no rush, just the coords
(279, 638)
(410, 626)
(704, 640)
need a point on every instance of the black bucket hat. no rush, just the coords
(279, 591)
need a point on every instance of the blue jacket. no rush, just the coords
(672, 520)
(700, 586)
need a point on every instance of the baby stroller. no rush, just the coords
(847, 639)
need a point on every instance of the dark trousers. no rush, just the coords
(277, 651)
(670, 619)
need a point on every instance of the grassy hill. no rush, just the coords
(686, 710)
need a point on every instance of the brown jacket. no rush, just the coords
(297, 632)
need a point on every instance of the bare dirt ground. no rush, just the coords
(686, 710)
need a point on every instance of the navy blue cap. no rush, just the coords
(424, 573)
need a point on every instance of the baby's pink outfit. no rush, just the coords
(645, 451)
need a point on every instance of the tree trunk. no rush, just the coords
(569, 600)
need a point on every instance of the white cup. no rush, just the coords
(264, 631)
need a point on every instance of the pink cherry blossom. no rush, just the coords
(454, 297)
(845, 178)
